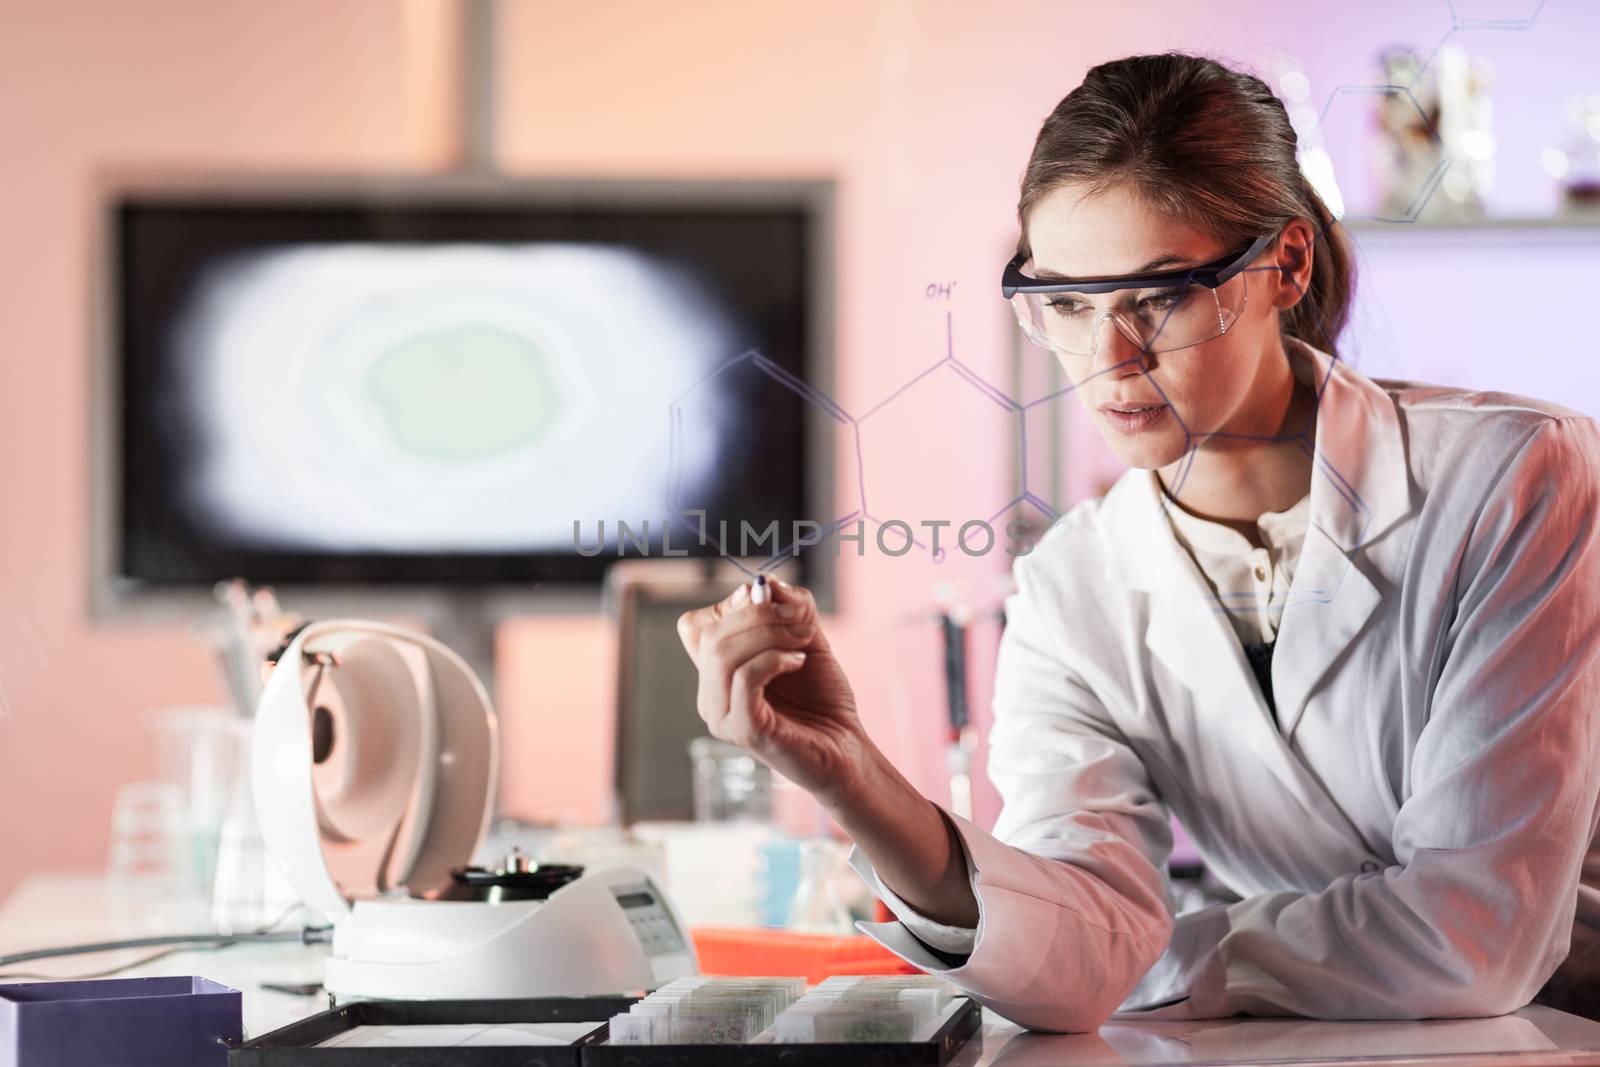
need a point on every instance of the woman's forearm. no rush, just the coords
(911, 845)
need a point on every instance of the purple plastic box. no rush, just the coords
(119, 1022)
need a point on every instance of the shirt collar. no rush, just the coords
(1278, 528)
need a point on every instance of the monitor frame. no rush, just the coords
(117, 597)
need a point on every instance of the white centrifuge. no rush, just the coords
(374, 766)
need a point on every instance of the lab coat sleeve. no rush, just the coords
(951, 940)
(1071, 898)
(1478, 911)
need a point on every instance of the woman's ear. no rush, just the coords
(1296, 248)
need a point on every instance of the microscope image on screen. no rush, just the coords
(433, 398)
(426, 387)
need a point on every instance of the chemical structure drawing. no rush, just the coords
(951, 393)
(753, 374)
(948, 394)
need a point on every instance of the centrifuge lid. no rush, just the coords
(373, 763)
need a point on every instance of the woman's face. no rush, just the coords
(1231, 383)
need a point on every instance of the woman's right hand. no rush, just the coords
(770, 684)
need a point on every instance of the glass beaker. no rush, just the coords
(147, 867)
(201, 752)
(730, 785)
(818, 904)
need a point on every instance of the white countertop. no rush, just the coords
(1534, 1035)
(51, 910)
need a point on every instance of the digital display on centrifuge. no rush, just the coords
(636, 900)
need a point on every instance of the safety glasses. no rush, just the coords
(1158, 312)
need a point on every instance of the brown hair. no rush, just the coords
(1204, 143)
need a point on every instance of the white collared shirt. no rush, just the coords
(1251, 584)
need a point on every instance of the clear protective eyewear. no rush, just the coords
(1161, 312)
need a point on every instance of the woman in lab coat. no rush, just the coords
(1347, 630)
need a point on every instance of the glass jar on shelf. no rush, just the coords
(1576, 165)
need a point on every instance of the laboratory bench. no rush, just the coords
(50, 910)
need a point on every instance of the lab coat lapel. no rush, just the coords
(1188, 632)
(1360, 487)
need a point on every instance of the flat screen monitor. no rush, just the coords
(455, 385)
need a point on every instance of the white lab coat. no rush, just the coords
(1414, 836)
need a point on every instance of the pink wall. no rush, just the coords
(293, 85)
(923, 111)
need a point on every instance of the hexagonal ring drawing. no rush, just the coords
(752, 361)
(878, 435)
